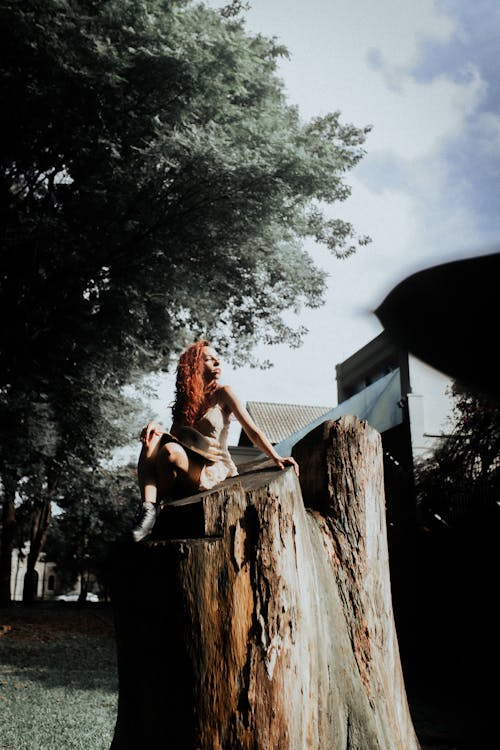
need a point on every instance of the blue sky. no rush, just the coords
(425, 75)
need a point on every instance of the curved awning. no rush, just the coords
(378, 404)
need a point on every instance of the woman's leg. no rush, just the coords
(146, 471)
(177, 470)
(148, 485)
(164, 471)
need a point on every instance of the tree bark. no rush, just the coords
(255, 621)
(7, 540)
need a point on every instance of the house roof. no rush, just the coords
(279, 421)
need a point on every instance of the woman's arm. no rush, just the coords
(229, 399)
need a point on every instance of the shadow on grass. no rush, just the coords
(58, 648)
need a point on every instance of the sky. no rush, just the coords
(425, 76)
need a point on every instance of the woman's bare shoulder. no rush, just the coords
(225, 396)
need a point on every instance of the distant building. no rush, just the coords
(47, 579)
(421, 393)
(49, 582)
(403, 398)
(279, 421)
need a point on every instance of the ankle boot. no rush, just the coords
(145, 521)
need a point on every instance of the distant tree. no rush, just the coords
(461, 480)
(80, 535)
(28, 445)
(87, 432)
(155, 185)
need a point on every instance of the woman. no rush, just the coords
(193, 456)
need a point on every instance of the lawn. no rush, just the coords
(58, 678)
(59, 683)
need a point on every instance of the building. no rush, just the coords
(50, 584)
(47, 579)
(279, 421)
(421, 393)
(403, 398)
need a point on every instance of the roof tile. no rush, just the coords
(279, 421)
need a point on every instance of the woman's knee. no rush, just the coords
(173, 454)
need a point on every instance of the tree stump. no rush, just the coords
(259, 616)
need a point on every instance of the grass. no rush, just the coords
(58, 678)
(59, 683)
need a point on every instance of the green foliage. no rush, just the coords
(155, 182)
(96, 511)
(461, 480)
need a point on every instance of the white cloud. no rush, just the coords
(411, 121)
(331, 47)
(487, 133)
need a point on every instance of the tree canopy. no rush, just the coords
(156, 184)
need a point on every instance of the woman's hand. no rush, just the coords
(151, 430)
(282, 462)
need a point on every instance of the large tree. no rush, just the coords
(155, 181)
(155, 185)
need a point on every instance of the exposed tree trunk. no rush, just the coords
(40, 521)
(7, 540)
(252, 622)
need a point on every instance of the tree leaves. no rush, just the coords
(461, 480)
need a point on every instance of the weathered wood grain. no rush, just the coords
(271, 628)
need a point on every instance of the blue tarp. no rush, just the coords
(377, 404)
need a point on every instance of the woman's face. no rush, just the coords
(211, 364)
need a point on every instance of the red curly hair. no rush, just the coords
(192, 395)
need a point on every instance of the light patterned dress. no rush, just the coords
(208, 438)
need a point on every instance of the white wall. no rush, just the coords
(429, 405)
(43, 568)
